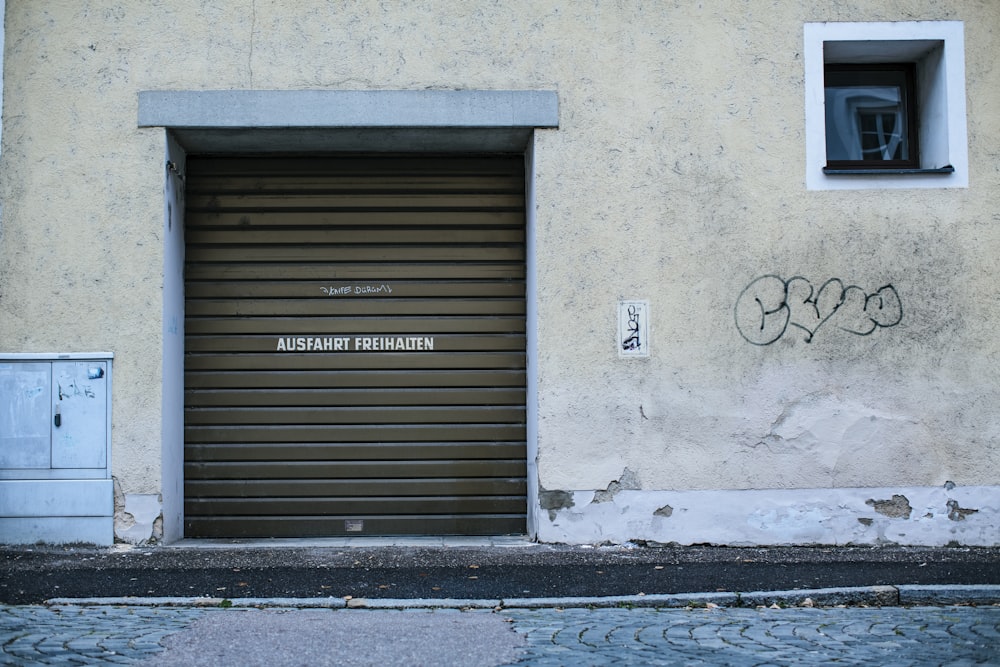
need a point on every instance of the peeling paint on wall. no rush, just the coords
(629, 480)
(554, 501)
(898, 507)
(138, 517)
(665, 511)
(903, 516)
(956, 513)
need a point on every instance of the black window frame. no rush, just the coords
(874, 71)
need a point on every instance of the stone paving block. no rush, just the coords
(732, 634)
(758, 634)
(988, 632)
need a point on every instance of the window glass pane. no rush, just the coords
(866, 116)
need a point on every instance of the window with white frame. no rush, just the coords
(885, 105)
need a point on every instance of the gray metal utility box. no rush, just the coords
(55, 449)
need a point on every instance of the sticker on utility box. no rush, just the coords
(633, 328)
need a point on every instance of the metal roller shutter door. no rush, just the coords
(355, 346)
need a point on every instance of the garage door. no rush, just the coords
(355, 346)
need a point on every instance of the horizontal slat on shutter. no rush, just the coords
(355, 433)
(350, 507)
(332, 219)
(382, 524)
(287, 326)
(349, 488)
(347, 451)
(351, 379)
(311, 201)
(344, 291)
(453, 414)
(243, 397)
(319, 235)
(326, 272)
(351, 469)
(356, 361)
(328, 178)
(327, 253)
(354, 307)
(425, 252)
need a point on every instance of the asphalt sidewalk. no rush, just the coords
(495, 573)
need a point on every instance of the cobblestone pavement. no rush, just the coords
(70, 635)
(35, 635)
(897, 636)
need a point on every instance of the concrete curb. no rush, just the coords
(870, 596)
(865, 596)
(947, 595)
(673, 601)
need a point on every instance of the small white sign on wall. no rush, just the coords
(633, 328)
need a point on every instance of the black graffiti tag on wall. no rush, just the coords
(770, 305)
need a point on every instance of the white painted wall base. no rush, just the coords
(57, 511)
(927, 516)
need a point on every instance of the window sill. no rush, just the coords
(886, 172)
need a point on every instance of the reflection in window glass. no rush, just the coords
(865, 124)
(867, 118)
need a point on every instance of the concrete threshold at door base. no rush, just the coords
(867, 596)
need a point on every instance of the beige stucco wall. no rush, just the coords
(676, 175)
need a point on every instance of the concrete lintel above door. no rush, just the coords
(222, 121)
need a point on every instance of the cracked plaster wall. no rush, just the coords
(676, 176)
(938, 516)
(137, 517)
